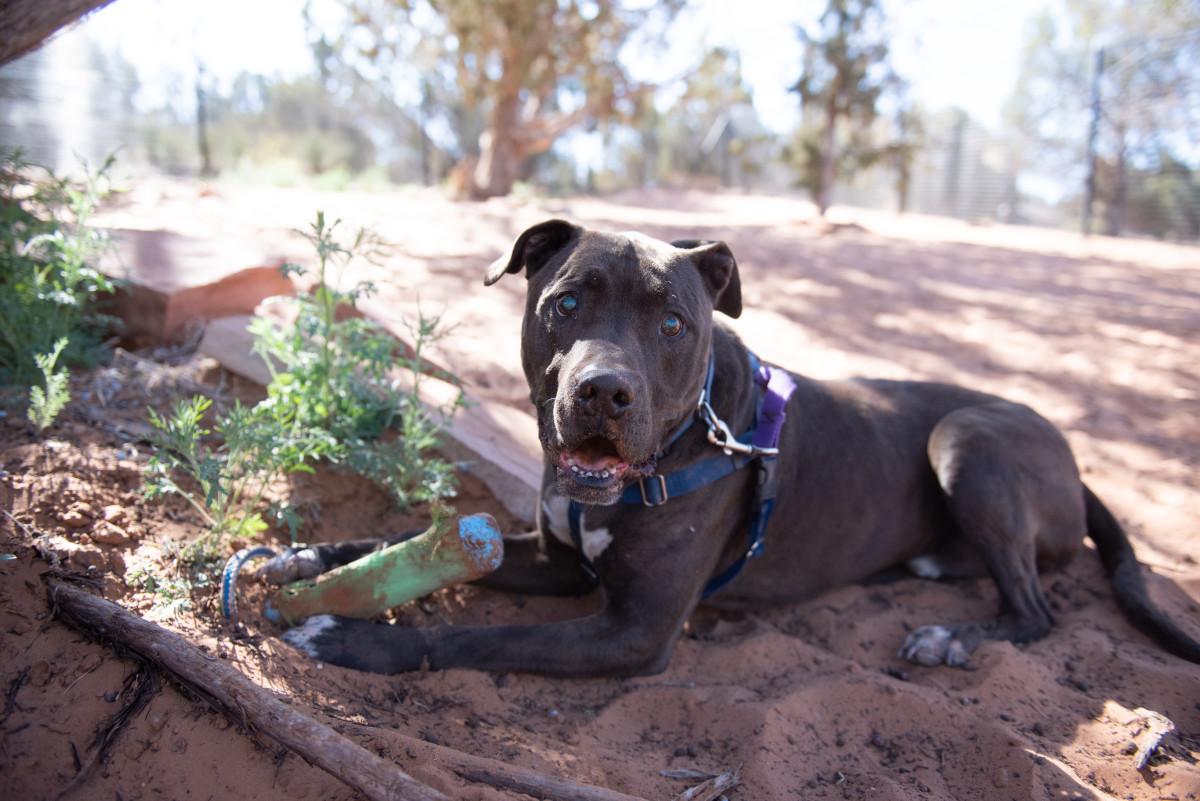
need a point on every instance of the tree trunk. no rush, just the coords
(828, 156)
(1116, 209)
(903, 179)
(28, 23)
(206, 164)
(500, 152)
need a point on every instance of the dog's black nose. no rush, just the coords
(604, 392)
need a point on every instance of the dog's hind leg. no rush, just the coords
(1012, 487)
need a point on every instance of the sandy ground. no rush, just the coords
(1100, 335)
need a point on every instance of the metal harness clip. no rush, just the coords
(720, 435)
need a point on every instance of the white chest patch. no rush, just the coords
(926, 566)
(555, 508)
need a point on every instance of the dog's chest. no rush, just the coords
(556, 514)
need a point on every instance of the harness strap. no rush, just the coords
(759, 445)
(658, 489)
(778, 386)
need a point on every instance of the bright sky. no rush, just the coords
(953, 52)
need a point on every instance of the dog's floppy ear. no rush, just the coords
(718, 267)
(532, 249)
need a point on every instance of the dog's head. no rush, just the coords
(615, 345)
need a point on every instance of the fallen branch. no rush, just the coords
(712, 789)
(320, 745)
(506, 777)
(317, 743)
(1153, 727)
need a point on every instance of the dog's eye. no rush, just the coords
(672, 326)
(566, 304)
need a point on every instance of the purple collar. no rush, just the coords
(777, 386)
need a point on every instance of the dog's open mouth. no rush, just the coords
(595, 472)
(595, 464)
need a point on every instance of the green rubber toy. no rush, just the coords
(451, 551)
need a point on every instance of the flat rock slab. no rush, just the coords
(176, 283)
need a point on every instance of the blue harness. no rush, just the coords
(760, 445)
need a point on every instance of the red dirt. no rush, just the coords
(1102, 336)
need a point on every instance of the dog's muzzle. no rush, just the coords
(601, 434)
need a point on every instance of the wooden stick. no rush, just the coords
(712, 789)
(375, 778)
(507, 777)
(320, 745)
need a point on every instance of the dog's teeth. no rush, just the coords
(576, 470)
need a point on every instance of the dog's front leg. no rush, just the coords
(537, 565)
(633, 634)
(593, 646)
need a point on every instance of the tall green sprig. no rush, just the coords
(45, 402)
(341, 376)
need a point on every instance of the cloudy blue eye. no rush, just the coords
(672, 326)
(566, 304)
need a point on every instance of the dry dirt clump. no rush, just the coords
(808, 701)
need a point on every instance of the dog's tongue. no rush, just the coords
(596, 464)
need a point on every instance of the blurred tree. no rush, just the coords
(1109, 89)
(641, 158)
(708, 131)
(845, 71)
(1165, 202)
(203, 141)
(907, 139)
(535, 67)
(293, 129)
(400, 91)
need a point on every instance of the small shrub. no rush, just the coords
(261, 445)
(336, 376)
(49, 281)
(171, 595)
(333, 400)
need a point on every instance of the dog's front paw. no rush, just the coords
(934, 645)
(358, 644)
(293, 564)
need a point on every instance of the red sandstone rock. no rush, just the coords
(177, 283)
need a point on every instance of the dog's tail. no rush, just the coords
(1125, 572)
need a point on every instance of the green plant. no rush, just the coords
(172, 595)
(340, 376)
(261, 445)
(49, 281)
(45, 404)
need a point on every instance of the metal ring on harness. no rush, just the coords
(229, 578)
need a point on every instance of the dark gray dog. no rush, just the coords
(662, 481)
